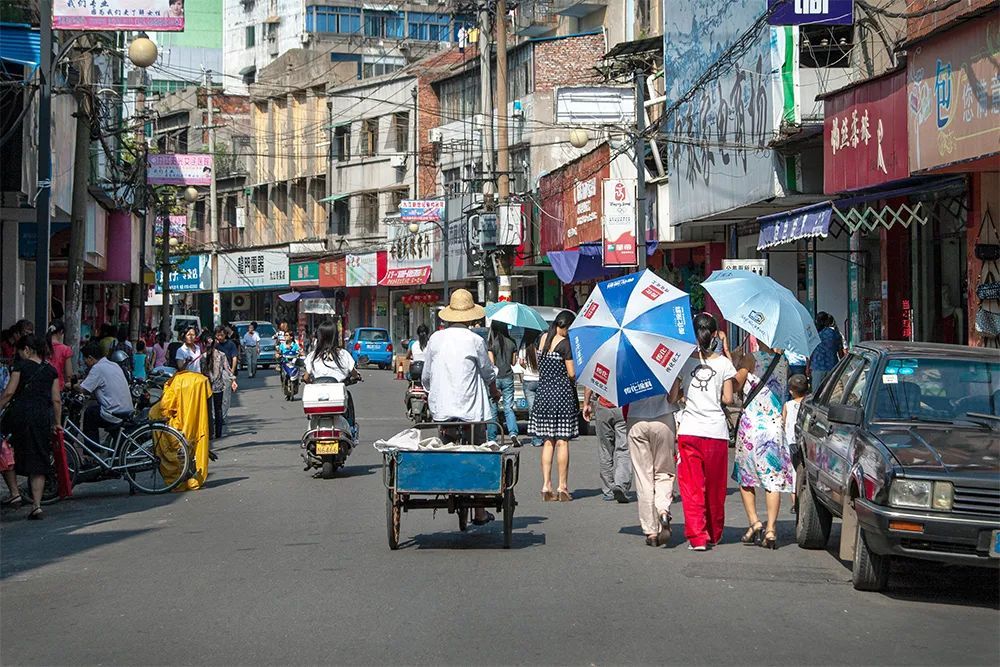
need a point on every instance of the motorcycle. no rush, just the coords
(333, 430)
(416, 396)
(291, 376)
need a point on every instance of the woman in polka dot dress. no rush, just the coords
(555, 414)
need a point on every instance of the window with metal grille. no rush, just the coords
(368, 213)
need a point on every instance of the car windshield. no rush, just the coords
(930, 389)
(373, 336)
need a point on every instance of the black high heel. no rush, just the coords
(770, 540)
(752, 536)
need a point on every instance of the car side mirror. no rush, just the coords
(846, 414)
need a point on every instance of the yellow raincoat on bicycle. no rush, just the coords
(185, 407)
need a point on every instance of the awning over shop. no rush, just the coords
(807, 222)
(336, 197)
(293, 296)
(407, 277)
(582, 263)
(20, 44)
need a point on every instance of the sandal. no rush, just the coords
(36, 514)
(549, 497)
(12, 502)
(770, 540)
(752, 536)
(564, 496)
(483, 522)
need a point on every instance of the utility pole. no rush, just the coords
(161, 209)
(73, 310)
(503, 254)
(43, 186)
(640, 169)
(137, 301)
(213, 218)
(486, 99)
(416, 147)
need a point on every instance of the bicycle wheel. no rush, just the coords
(154, 458)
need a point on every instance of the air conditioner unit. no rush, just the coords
(305, 38)
(398, 161)
(435, 136)
(241, 302)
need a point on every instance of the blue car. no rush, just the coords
(374, 344)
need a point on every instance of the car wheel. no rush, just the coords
(871, 570)
(812, 522)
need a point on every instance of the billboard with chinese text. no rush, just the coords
(152, 15)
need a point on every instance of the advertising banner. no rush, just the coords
(189, 275)
(811, 12)
(406, 277)
(179, 169)
(178, 226)
(412, 210)
(266, 268)
(151, 15)
(954, 95)
(718, 152)
(864, 135)
(363, 270)
(620, 236)
(333, 272)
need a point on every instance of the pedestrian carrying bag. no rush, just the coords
(6, 455)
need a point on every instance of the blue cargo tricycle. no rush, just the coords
(458, 481)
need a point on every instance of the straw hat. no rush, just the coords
(462, 308)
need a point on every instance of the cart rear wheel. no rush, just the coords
(393, 511)
(508, 517)
(463, 519)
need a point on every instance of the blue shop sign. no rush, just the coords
(807, 222)
(187, 276)
(27, 237)
(811, 12)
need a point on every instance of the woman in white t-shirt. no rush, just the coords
(706, 384)
(417, 352)
(329, 360)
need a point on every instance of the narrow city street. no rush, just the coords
(268, 564)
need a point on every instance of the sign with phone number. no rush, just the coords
(253, 269)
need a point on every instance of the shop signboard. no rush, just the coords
(571, 201)
(620, 235)
(265, 268)
(364, 270)
(406, 277)
(414, 210)
(333, 272)
(864, 135)
(179, 169)
(304, 274)
(721, 158)
(152, 15)
(954, 95)
(178, 226)
(758, 266)
(810, 12)
(190, 274)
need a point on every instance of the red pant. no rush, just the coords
(702, 478)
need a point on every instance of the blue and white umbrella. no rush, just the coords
(631, 338)
(764, 309)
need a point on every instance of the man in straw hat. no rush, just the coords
(458, 374)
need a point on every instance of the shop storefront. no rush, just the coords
(954, 128)
(251, 281)
(410, 265)
(368, 303)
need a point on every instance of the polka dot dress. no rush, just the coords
(555, 414)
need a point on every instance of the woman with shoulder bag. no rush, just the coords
(33, 414)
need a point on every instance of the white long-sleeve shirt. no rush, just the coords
(457, 374)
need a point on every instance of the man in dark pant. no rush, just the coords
(93, 422)
(612, 446)
(106, 382)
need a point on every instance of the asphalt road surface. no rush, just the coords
(269, 565)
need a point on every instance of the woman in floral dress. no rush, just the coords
(762, 456)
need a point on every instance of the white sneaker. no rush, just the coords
(694, 548)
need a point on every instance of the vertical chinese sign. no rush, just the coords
(619, 223)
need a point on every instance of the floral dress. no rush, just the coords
(762, 456)
(556, 409)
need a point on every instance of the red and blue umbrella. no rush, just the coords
(632, 336)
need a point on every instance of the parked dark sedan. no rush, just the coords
(902, 442)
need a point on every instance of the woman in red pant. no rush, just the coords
(706, 384)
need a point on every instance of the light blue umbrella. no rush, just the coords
(632, 337)
(764, 309)
(516, 315)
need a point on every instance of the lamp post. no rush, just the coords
(414, 228)
(142, 52)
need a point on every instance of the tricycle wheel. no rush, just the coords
(508, 517)
(463, 518)
(392, 518)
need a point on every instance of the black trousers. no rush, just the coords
(215, 414)
(93, 421)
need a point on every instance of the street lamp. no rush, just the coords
(190, 194)
(414, 228)
(578, 137)
(142, 51)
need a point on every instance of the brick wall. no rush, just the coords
(429, 115)
(564, 62)
(924, 25)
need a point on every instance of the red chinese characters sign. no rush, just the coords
(571, 202)
(333, 272)
(864, 135)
